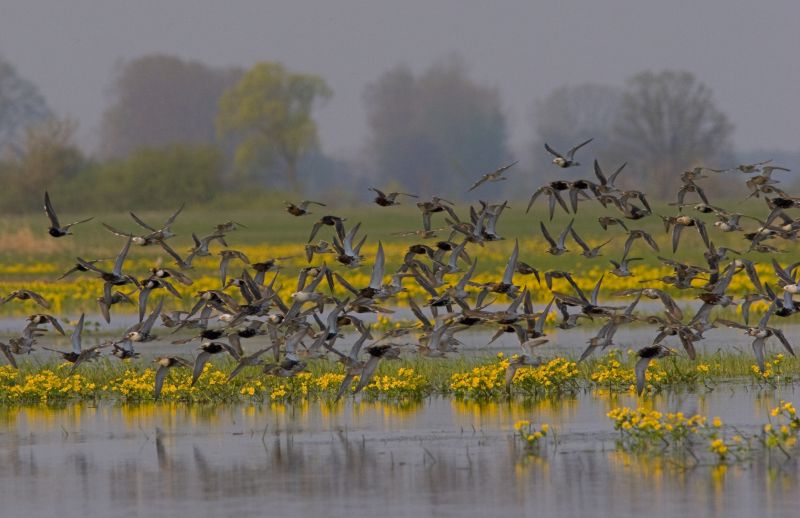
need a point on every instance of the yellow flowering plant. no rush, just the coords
(529, 435)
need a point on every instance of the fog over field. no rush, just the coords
(746, 52)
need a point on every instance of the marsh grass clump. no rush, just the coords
(782, 429)
(774, 374)
(477, 378)
(678, 436)
(698, 439)
(557, 376)
(483, 382)
(532, 438)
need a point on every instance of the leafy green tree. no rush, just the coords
(21, 104)
(269, 112)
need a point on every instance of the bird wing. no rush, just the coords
(701, 229)
(143, 296)
(596, 291)
(571, 152)
(762, 324)
(640, 369)
(650, 241)
(554, 197)
(547, 235)
(367, 373)
(7, 353)
(78, 222)
(529, 345)
(781, 273)
(223, 268)
(115, 231)
(511, 266)
(314, 230)
(688, 345)
(552, 151)
(676, 236)
(562, 238)
(50, 211)
(462, 284)
(346, 382)
(76, 336)
(55, 323)
(505, 168)
(511, 370)
(670, 305)
(142, 223)
(730, 323)
(147, 326)
(39, 299)
(376, 280)
(121, 257)
(779, 334)
(535, 195)
(758, 349)
(199, 363)
(539, 325)
(599, 174)
(479, 182)
(613, 177)
(171, 219)
(580, 241)
(178, 260)
(426, 324)
(104, 309)
(723, 284)
(161, 373)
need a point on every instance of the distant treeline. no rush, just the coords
(183, 130)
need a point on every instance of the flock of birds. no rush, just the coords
(248, 306)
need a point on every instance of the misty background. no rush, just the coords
(157, 101)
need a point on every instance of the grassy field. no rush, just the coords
(31, 258)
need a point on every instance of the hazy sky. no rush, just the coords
(746, 50)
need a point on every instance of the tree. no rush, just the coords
(570, 115)
(431, 131)
(269, 112)
(159, 100)
(151, 178)
(21, 105)
(668, 122)
(47, 156)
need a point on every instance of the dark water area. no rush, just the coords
(438, 457)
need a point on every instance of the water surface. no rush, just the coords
(434, 458)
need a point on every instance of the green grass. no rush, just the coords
(266, 223)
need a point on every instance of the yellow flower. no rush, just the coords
(519, 425)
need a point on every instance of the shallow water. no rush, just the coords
(434, 458)
(475, 341)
